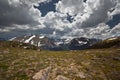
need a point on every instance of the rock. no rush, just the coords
(72, 68)
(42, 74)
(116, 58)
(86, 63)
(81, 75)
(7, 51)
(60, 77)
(55, 72)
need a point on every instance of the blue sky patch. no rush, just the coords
(47, 7)
(70, 18)
(114, 21)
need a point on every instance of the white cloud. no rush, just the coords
(72, 7)
(87, 14)
(88, 18)
(117, 8)
(95, 12)
(116, 30)
(20, 12)
(100, 31)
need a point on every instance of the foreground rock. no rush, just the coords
(42, 74)
(60, 77)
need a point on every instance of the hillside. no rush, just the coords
(36, 40)
(107, 43)
(26, 64)
(82, 43)
(15, 44)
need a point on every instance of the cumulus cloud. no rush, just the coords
(115, 30)
(89, 18)
(71, 7)
(100, 31)
(87, 14)
(20, 12)
(117, 8)
(98, 12)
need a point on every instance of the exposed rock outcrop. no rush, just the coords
(42, 74)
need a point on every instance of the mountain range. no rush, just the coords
(80, 43)
(57, 44)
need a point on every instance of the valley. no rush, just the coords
(93, 64)
(59, 39)
(24, 61)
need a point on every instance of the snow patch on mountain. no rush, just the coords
(58, 43)
(67, 40)
(81, 42)
(12, 39)
(28, 40)
(40, 44)
(41, 37)
(112, 38)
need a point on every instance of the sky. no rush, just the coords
(60, 18)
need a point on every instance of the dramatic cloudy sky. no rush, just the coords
(60, 18)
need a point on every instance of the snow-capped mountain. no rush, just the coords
(82, 43)
(42, 41)
(37, 40)
(56, 44)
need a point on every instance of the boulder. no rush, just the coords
(42, 74)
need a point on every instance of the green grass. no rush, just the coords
(96, 64)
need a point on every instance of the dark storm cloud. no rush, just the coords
(14, 12)
(99, 13)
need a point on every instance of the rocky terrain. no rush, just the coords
(17, 63)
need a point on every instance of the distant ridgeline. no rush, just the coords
(57, 44)
(108, 43)
(45, 43)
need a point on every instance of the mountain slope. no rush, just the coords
(14, 44)
(82, 43)
(108, 43)
(37, 40)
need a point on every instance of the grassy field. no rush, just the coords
(97, 64)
